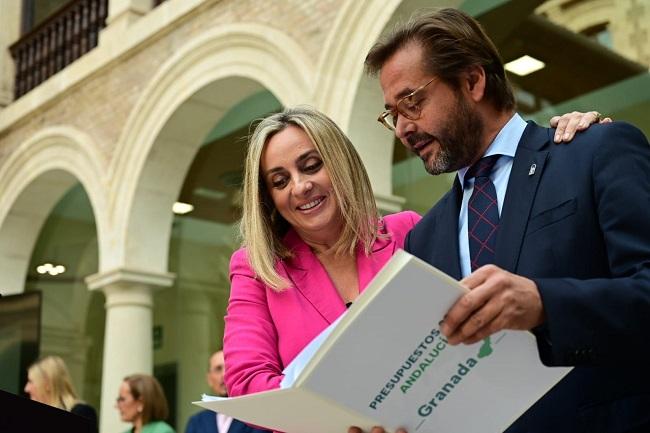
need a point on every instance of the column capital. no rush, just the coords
(125, 277)
(389, 203)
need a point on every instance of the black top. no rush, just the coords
(86, 411)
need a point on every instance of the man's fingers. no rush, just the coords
(554, 121)
(573, 125)
(477, 324)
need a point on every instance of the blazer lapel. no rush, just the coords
(309, 277)
(368, 266)
(527, 169)
(236, 426)
(444, 246)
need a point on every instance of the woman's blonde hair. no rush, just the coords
(51, 376)
(154, 403)
(262, 227)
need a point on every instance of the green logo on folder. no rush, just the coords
(486, 348)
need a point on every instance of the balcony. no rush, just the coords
(58, 41)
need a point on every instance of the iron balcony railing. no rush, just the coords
(58, 41)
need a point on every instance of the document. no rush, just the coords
(385, 362)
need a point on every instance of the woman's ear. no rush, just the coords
(474, 82)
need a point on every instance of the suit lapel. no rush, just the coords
(445, 251)
(236, 426)
(527, 169)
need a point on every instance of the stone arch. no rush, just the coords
(33, 179)
(185, 99)
(354, 99)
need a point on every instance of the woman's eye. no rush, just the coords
(279, 182)
(314, 166)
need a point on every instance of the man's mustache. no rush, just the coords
(418, 137)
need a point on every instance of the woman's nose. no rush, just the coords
(304, 186)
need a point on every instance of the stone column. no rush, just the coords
(198, 319)
(9, 33)
(128, 332)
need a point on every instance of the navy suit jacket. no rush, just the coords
(580, 228)
(206, 422)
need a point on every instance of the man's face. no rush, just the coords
(447, 136)
(216, 374)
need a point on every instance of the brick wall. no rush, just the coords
(101, 104)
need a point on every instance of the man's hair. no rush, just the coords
(147, 388)
(452, 42)
(262, 227)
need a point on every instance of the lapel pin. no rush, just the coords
(532, 170)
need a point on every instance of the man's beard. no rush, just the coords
(459, 140)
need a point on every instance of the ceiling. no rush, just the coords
(575, 64)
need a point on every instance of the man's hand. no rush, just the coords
(497, 300)
(568, 124)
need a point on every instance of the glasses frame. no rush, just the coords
(384, 114)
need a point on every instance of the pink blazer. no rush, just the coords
(266, 329)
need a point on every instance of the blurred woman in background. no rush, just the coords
(48, 381)
(142, 402)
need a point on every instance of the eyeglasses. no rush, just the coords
(410, 106)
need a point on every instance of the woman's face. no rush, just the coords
(130, 408)
(35, 389)
(300, 186)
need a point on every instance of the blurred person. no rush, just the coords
(142, 402)
(48, 381)
(208, 421)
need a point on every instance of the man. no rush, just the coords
(208, 421)
(553, 239)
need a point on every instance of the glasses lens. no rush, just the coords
(387, 119)
(409, 107)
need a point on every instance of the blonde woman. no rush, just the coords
(48, 381)
(313, 239)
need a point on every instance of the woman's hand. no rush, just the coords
(568, 124)
(375, 429)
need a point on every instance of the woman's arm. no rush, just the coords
(250, 339)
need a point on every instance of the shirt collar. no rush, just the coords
(505, 143)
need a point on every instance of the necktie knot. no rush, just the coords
(483, 167)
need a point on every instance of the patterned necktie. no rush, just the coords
(482, 213)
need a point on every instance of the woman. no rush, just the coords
(312, 241)
(48, 381)
(142, 402)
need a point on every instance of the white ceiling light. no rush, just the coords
(49, 268)
(181, 208)
(524, 65)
